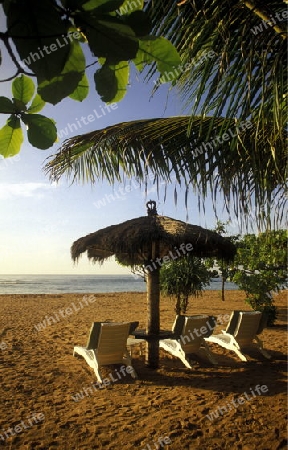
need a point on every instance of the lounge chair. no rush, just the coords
(190, 332)
(107, 345)
(242, 332)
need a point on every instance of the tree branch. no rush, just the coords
(264, 15)
(19, 71)
(5, 38)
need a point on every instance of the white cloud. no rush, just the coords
(37, 190)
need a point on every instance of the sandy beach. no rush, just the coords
(165, 409)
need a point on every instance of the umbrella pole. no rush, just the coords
(153, 321)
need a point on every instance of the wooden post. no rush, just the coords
(153, 318)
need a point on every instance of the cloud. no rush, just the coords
(36, 190)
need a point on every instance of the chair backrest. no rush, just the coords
(112, 342)
(93, 337)
(94, 334)
(263, 322)
(234, 318)
(178, 325)
(211, 324)
(133, 326)
(248, 324)
(233, 321)
(194, 331)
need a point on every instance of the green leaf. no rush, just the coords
(23, 89)
(55, 90)
(106, 83)
(102, 6)
(110, 39)
(36, 105)
(59, 87)
(19, 106)
(6, 106)
(42, 132)
(76, 61)
(130, 6)
(121, 71)
(31, 23)
(139, 22)
(160, 50)
(82, 90)
(11, 137)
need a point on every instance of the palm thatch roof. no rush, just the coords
(131, 241)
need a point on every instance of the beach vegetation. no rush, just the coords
(182, 278)
(260, 269)
(223, 266)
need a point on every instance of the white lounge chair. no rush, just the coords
(107, 344)
(190, 332)
(241, 333)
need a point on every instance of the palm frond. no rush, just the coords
(243, 77)
(246, 73)
(241, 164)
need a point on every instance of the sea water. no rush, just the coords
(55, 284)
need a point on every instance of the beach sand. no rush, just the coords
(39, 376)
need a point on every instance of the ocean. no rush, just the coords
(55, 284)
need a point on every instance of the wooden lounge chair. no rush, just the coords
(190, 332)
(242, 332)
(107, 344)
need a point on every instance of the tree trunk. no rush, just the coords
(153, 321)
(223, 289)
(178, 306)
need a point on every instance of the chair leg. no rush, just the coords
(128, 362)
(239, 353)
(209, 354)
(236, 348)
(260, 347)
(97, 373)
(133, 372)
(96, 367)
(132, 342)
(175, 349)
(188, 362)
(142, 345)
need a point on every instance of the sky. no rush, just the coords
(40, 220)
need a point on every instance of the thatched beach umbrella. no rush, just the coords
(151, 241)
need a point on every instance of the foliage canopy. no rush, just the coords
(182, 278)
(49, 40)
(233, 70)
(260, 268)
